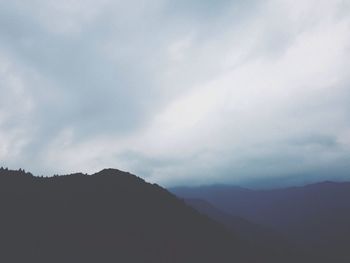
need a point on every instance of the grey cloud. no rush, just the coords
(315, 139)
(108, 71)
(93, 87)
(208, 10)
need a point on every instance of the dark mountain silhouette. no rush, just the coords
(316, 217)
(111, 216)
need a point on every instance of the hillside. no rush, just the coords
(256, 234)
(316, 216)
(111, 216)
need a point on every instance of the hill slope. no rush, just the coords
(316, 216)
(111, 216)
(256, 234)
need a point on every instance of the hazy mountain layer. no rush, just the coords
(316, 217)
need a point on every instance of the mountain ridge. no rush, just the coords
(109, 216)
(315, 216)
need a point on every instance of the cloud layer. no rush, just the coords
(179, 92)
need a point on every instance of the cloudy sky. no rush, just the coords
(178, 92)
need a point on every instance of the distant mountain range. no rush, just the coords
(315, 218)
(114, 216)
(260, 236)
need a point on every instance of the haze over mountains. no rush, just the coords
(316, 217)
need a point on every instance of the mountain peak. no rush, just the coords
(112, 172)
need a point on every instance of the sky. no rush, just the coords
(178, 92)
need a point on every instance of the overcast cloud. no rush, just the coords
(178, 92)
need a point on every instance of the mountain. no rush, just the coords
(316, 216)
(110, 216)
(256, 234)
